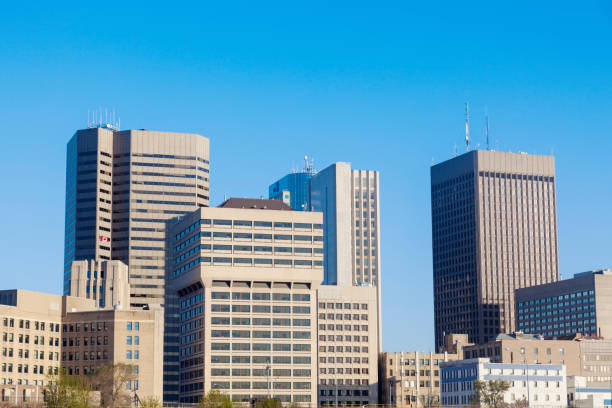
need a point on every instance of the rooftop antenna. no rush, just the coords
(467, 126)
(305, 163)
(487, 127)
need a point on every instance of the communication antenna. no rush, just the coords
(467, 126)
(487, 127)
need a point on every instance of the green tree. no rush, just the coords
(490, 394)
(215, 399)
(150, 402)
(111, 380)
(66, 391)
(268, 403)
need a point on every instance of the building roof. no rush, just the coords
(255, 203)
(517, 336)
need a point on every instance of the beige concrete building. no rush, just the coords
(494, 230)
(42, 333)
(581, 305)
(121, 188)
(99, 337)
(350, 202)
(246, 274)
(596, 361)
(519, 348)
(411, 379)
(106, 282)
(347, 345)
(31, 340)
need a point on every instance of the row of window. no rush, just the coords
(343, 349)
(342, 370)
(260, 347)
(261, 385)
(25, 324)
(259, 321)
(246, 372)
(248, 223)
(249, 249)
(247, 236)
(346, 327)
(225, 359)
(261, 334)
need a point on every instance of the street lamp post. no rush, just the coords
(268, 378)
(527, 371)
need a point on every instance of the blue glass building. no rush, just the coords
(293, 188)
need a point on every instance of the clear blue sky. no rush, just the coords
(383, 88)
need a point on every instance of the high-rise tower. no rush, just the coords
(494, 230)
(121, 188)
(349, 201)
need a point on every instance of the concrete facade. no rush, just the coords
(91, 339)
(519, 348)
(247, 280)
(121, 188)
(580, 305)
(411, 379)
(349, 201)
(494, 230)
(541, 385)
(347, 345)
(42, 333)
(107, 282)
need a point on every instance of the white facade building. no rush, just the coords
(541, 385)
(580, 395)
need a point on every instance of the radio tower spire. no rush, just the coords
(487, 127)
(467, 126)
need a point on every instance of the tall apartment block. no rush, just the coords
(349, 201)
(494, 230)
(121, 188)
(292, 189)
(247, 273)
(580, 305)
(348, 345)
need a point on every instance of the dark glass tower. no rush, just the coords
(494, 230)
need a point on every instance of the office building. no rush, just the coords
(581, 395)
(347, 345)
(494, 230)
(95, 338)
(582, 305)
(246, 274)
(121, 188)
(520, 348)
(349, 201)
(43, 333)
(596, 360)
(411, 379)
(540, 385)
(292, 189)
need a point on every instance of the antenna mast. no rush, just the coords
(487, 127)
(467, 126)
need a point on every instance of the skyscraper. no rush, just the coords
(292, 189)
(494, 230)
(349, 201)
(121, 188)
